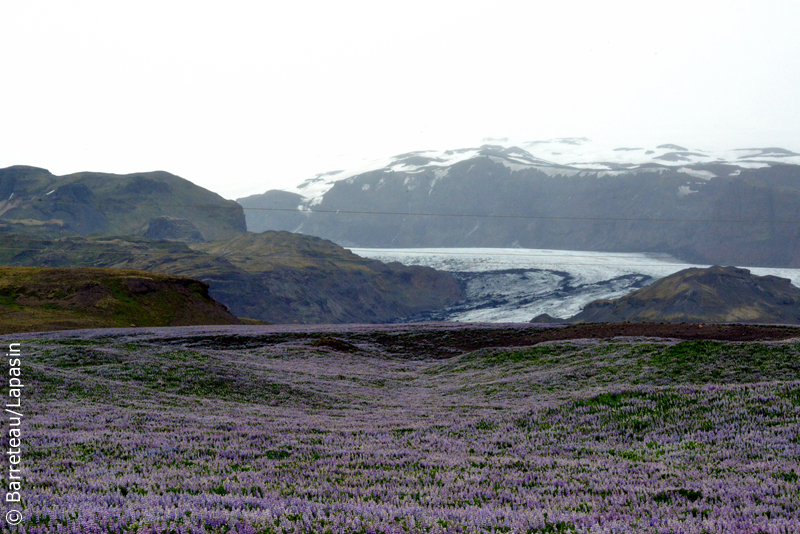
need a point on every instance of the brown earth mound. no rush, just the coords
(36, 299)
(445, 340)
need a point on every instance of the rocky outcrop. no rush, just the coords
(173, 229)
(712, 295)
(273, 210)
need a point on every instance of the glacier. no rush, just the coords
(514, 285)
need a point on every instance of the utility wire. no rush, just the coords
(436, 250)
(267, 257)
(414, 214)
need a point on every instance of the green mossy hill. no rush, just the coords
(35, 201)
(276, 277)
(274, 250)
(37, 299)
(711, 295)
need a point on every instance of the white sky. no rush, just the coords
(241, 97)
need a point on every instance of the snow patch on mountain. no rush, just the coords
(703, 175)
(574, 151)
(512, 164)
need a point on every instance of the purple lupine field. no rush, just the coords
(394, 429)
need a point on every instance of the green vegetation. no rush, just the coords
(39, 299)
(603, 363)
(286, 429)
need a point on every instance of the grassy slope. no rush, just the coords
(38, 299)
(311, 432)
(269, 251)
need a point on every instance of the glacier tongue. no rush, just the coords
(515, 285)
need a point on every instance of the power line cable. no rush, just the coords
(438, 251)
(419, 214)
(554, 261)
(423, 251)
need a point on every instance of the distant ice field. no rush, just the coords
(516, 285)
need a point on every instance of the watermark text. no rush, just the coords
(13, 408)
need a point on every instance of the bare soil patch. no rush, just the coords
(445, 340)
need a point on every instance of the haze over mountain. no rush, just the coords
(737, 206)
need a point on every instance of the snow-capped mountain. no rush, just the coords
(556, 156)
(737, 206)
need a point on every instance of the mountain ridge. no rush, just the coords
(115, 204)
(702, 208)
(568, 154)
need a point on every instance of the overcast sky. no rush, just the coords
(241, 97)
